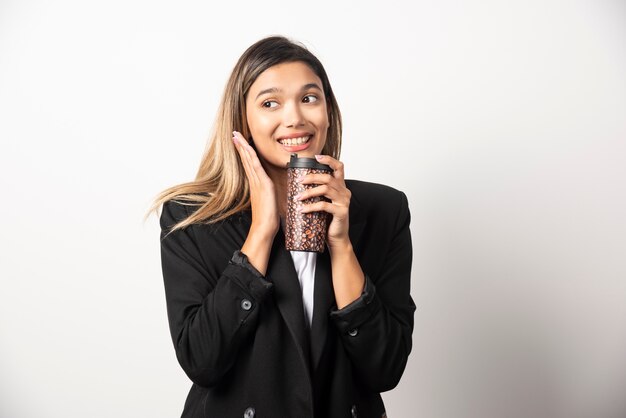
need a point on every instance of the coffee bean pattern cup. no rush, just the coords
(304, 231)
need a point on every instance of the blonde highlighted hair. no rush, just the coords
(221, 188)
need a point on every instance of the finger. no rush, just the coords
(341, 197)
(336, 165)
(252, 156)
(243, 142)
(335, 186)
(252, 164)
(317, 179)
(323, 190)
(246, 160)
(338, 211)
(242, 151)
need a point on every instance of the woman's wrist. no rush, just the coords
(257, 248)
(263, 231)
(340, 247)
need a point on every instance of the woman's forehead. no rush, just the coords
(284, 78)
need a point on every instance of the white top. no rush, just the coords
(304, 262)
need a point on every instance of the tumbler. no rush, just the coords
(304, 231)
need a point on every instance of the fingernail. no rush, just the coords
(318, 157)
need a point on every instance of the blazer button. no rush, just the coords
(249, 413)
(353, 332)
(246, 305)
(353, 411)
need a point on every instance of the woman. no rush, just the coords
(260, 331)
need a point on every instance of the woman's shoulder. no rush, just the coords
(377, 201)
(177, 210)
(172, 212)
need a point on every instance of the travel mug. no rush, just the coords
(304, 231)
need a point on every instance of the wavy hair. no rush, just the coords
(221, 188)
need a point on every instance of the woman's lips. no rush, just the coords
(295, 144)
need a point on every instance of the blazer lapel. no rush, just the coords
(288, 294)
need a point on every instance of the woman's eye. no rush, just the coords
(310, 98)
(270, 104)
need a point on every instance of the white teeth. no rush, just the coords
(294, 141)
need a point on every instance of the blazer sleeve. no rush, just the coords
(376, 329)
(210, 315)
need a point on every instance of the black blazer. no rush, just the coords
(242, 339)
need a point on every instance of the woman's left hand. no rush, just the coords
(333, 187)
(347, 276)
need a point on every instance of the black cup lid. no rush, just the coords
(295, 162)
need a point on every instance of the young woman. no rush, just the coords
(259, 330)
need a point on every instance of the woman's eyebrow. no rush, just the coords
(266, 91)
(277, 90)
(311, 86)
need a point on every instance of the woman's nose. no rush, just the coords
(292, 115)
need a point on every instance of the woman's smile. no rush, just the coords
(295, 142)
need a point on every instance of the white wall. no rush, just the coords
(504, 122)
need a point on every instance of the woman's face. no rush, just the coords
(286, 113)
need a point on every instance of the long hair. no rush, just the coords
(221, 188)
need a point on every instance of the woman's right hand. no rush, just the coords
(265, 218)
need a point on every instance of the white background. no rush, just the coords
(504, 123)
